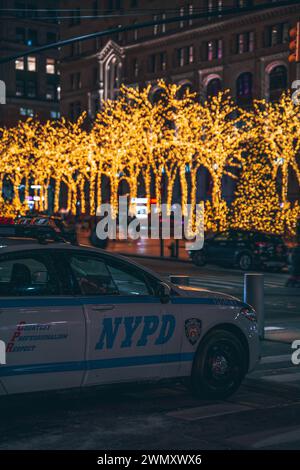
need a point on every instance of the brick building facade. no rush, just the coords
(246, 53)
(32, 83)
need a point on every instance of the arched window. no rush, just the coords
(157, 94)
(214, 86)
(113, 74)
(184, 87)
(277, 82)
(244, 85)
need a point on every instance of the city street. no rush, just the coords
(264, 414)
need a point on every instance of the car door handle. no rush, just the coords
(101, 308)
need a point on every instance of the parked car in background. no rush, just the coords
(242, 249)
(57, 223)
(6, 220)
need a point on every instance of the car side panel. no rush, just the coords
(211, 315)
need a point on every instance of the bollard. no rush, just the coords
(180, 280)
(254, 296)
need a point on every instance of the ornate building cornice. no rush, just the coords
(217, 27)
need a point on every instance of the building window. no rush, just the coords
(76, 48)
(31, 64)
(75, 110)
(51, 91)
(32, 37)
(214, 5)
(75, 17)
(75, 79)
(245, 42)
(181, 13)
(20, 35)
(277, 34)
(277, 82)
(50, 66)
(244, 89)
(185, 56)
(95, 75)
(54, 114)
(135, 32)
(31, 89)
(244, 3)
(214, 49)
(191, 9)
(155, 27)
(19, 64)
(51, 38)
(20, 87)
(152, 63)
(163, 61)
(214, 86)
(191, 54)
(163, 26)
(95, 8)
(20, 9)
(135, 67)
(27, 112)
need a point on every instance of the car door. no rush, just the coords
(218, 247)
(41, 323)
(126, 324)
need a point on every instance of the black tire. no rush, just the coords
(219, 367)
(198, 258)
(245, 261)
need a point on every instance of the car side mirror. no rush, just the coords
(164, 293)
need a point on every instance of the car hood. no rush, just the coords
(188, 291)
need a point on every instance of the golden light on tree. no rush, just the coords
(152, 146)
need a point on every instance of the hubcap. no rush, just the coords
(222, 364)
(245, 262)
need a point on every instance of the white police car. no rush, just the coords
(78, 317)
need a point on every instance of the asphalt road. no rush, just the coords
(264, 414)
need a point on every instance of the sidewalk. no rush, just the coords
(141, 247)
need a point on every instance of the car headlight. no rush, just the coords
(249, 313)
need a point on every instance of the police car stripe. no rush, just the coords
(8, 371)
(78, 301)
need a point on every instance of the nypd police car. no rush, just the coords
(80, 317)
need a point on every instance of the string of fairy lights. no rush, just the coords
(154, 147)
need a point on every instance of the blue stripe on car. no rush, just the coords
(73, 301)
(28, 369)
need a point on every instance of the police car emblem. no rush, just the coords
(193, 330)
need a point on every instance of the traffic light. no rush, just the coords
(295, 43)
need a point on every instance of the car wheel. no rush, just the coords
(219, 367)
(245, 262)
(198, 258)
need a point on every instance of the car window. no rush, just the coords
(27, 275)
(221, 237)
(129, 281)
(92, 275)
(242, 236)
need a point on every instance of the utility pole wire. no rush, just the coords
(147, 24)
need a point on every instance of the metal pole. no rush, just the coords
(254, 296)
(180, 280)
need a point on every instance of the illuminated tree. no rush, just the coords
(257, 204)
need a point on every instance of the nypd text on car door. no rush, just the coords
(128, 328)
